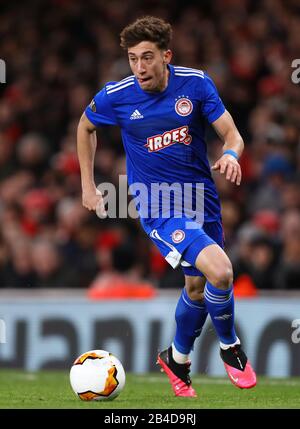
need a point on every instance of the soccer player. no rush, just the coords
(161, 110)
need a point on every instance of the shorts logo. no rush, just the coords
(183, 107)
(178, 236)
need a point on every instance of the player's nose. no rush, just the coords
(140, 67)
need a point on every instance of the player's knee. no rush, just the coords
(223, 276)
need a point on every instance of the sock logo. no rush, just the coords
(223, 317)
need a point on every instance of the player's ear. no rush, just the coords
(167, 56)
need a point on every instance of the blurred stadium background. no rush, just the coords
(70, 282)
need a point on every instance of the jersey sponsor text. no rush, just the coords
(168, 138)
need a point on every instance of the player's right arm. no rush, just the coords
(86, 149)
(98, 113)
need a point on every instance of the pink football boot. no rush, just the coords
(238, 367)
(178, 374)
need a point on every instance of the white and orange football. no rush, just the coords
(97, 375)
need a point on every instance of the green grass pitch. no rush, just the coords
(51, 389)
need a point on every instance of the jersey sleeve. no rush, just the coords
(100, 111)
(212, 106)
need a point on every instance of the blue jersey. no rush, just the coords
(163, 133)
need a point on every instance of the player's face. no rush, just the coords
(149, 65)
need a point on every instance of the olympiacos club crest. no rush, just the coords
(178, 236)
(184, 106)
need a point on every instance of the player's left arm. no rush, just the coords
(228, 163)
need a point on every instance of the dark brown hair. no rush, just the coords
(147, 28)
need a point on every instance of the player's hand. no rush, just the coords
(228, 165)
(93, 200)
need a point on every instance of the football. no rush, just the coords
(97, 375)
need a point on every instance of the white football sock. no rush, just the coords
(227, 346)
(179, 357)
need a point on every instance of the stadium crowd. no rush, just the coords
(59, 53)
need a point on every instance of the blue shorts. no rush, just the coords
(176, 242)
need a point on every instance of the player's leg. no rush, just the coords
(190, 316)
(185, 247)
(195, 286)
(191, 312)
(213, 262)
(218, 292)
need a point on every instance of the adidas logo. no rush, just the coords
(136, 115)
